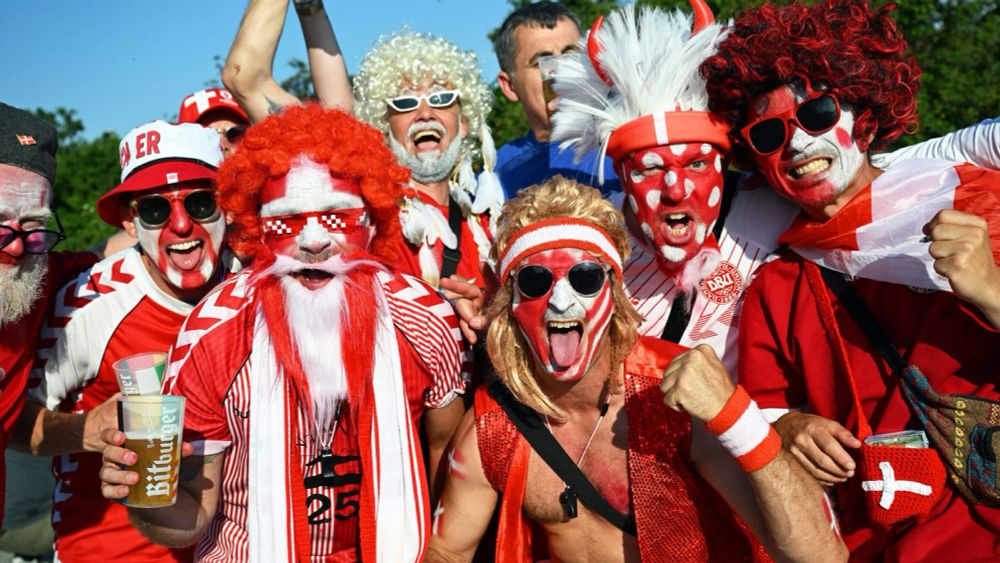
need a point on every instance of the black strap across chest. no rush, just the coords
(450, 257)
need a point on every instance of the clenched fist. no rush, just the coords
(960, 246)
(697, 383)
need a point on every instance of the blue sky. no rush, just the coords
(121, 63)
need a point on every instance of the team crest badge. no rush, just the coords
(723, 284)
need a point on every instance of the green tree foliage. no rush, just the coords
(956, 43)
(85, 170)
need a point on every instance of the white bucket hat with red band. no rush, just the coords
(161, 154)
(637, 84)
(197, 104)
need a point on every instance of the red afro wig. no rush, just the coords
(856, 52)
(350, 149)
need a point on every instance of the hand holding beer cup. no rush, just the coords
(149, 444)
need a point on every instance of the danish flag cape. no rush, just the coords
(878, 234)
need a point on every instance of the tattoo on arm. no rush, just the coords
(273, 107)
(191, 467)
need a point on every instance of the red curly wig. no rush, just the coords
(351, 149)
(844, 45)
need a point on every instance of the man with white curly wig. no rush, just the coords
(426, 96)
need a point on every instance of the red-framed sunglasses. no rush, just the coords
(815, 116)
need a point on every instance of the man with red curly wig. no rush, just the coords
(907, 342)
(306, 374)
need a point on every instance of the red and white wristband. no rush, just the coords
(743, 430)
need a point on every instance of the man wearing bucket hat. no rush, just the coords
(29, 274)
(132, 302)
(216, 109)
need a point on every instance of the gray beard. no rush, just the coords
(428, 167)
(20, 288)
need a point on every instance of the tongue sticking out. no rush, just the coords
(564, 346)
(188, 259)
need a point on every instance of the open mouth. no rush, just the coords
(312, 278)
(814, 166)
(426, 140)
(186, 255)
(565, 338)
(677, 229)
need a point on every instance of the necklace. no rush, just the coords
(568, 498)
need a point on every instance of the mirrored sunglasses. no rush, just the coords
(410, 102)
(815, 116)
(35, 241)
(154, 210)
(586, 278)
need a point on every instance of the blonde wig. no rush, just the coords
(411, 58)
(508, 350)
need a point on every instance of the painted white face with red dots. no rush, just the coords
(675, 192)
(811, 170)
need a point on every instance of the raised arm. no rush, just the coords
(326, 62)
(249, 66)
(179, 525)
(460, 518)
(783, 505)
(977, 144)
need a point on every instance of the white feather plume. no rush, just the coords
(652, 60)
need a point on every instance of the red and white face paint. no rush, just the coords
(675, 192)
(184, 251)
(811, 170)
(563, 328)
(311, 216)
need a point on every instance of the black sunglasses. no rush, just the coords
(815, 116)
(35, 241)
(154, 210)
(235, 133)
(586, 278)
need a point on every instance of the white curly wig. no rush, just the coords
(406, 56)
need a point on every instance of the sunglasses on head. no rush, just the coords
(815, 116)
(35, 241)
(586, 278)
(154, 210)
(410, 102)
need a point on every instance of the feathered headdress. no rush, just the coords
(637, 84)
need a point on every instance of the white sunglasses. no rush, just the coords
(410, 102)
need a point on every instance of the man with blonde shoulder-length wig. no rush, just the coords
(571, 375)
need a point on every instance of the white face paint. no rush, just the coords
(308, 187)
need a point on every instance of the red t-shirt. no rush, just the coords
(469, 263)
(18, 341)
(786, 362)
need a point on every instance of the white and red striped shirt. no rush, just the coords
(210, 365)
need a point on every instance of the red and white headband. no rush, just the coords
(559, 232)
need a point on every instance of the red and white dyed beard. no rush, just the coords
(563, 328)
(321, 322)
(172, 257)
(674, 193)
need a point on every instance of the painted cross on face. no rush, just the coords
(810, 169)
(185, 249)
(674, 191)
(311, 216)
(565, 325)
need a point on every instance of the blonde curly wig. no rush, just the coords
(409, 57)
(508, 350)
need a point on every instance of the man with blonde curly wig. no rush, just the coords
(428, 99)
(306, 374)
(572, 371)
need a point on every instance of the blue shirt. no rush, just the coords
(525, 161)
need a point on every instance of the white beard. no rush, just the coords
(315, 319)
(428, 167)
(20, 288)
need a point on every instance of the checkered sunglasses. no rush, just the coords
(334, 221)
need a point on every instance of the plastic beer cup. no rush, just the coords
(548, 65)
(152, 425)
(140, 374)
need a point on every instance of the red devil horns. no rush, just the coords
(703, 17)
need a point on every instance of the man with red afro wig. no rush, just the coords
(881, 315)
(307, 373)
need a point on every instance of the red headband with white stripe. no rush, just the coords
(559, 232)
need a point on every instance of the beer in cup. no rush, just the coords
(152, 425)
(548, 65)
(140, 374)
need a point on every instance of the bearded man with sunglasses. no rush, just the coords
(571, 368)
(918, 244)
(132, 302)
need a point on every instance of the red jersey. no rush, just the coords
(786, 362)
(18, 341)
(108, 312)
(210, 365)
